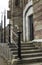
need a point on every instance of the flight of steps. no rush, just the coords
(29, 54)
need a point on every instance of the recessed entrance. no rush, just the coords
(31, 27)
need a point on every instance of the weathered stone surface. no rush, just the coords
(3, 61)
(37, 7)
(17, 15)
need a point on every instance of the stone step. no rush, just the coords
(29, 55)
(33, 63)
(29, 60)
(22, 44)
(27, 45)
(23, 48)
(12, 46)
(27, 51)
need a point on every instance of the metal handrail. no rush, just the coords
(18, 44)
(15, 34)
(15, 43)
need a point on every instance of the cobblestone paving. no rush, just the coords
(2, 61)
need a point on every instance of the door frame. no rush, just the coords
(27, 11)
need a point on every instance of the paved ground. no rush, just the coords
(35, 64)
(2, 61)
(30, 64)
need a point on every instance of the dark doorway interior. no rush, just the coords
(31, 27)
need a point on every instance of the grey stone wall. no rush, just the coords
(37, 7)
(17, 13)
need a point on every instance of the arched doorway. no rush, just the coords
(28, 33)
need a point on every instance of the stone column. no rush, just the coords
(24, 27)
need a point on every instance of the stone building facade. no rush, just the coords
(37, 5)
(26, 15)
(16, 8)
(7, 33)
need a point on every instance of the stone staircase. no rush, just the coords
(29, 54)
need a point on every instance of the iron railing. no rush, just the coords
(17, 42)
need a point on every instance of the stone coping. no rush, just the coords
(35, 40)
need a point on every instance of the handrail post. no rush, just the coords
(19, 45)
(9, 33)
